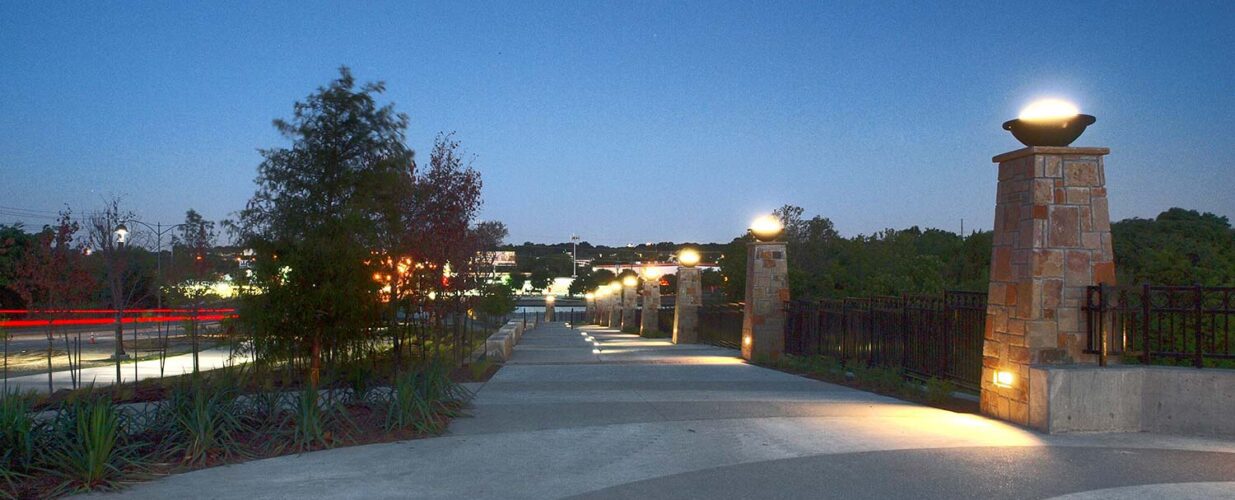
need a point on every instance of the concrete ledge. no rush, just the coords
(499, 345)
(1165, 399)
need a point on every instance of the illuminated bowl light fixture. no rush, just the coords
(1004, 378)
(122, 234)
(630, 280)
(688, 257)
(767, 228)
(549, 299)
(1049, 122)
(615, 286)
(651, 273)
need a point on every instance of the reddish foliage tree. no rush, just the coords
(52, 278)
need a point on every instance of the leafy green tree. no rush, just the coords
(1179, 247)
(14, 242)
(196, 275)
(313, 224)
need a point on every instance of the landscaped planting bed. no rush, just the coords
(100, 439)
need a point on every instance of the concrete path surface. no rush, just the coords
(594, 413)
(100, 376)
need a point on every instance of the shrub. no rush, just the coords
(17, 432)
(202, 420)
(939, 390)
(17, 437)
(879, 378)
(479, 368)
(408, 408)
(87, 449)
(439, 389)
(314, 422)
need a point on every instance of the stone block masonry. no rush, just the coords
(686, 306)
(649, 323)
(1052, 239)
(630, 301)
(767, 291)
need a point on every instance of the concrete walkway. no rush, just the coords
(101, 376)
(599, 414)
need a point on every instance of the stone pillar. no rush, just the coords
(549, 301)
(767, 290)
(649, 324)
(615, 309)
(686, 306)
(630, 301)
(589, 308)
(1052, 240)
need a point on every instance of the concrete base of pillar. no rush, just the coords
(1175, 400)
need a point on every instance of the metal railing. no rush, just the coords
(664, 320)
(721, 325)
(937, 336)
(1153, 324)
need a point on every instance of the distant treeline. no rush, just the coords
(1179, 247)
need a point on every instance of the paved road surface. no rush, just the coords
(636, 418)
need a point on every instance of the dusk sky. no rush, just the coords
(624, 121)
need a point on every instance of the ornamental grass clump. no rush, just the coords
(202, 421)
(86, 447)
(315, 422)
(17, 438)
(408, 407)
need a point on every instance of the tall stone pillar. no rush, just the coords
(549, 302)
(630, 301)
(767, 290)
(686, 306)
(615, 309)
(1052, 240)
(649, 324)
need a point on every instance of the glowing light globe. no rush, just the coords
(630, 280)
(767, 228)
(688, 257)
(615, 286)
(1049, 122)
(651, 273)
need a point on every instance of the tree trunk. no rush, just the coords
(315, 362)
(50, 348)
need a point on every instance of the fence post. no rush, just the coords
(1199, 359)
(1102, 310)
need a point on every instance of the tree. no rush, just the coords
(123, 274)
(14, 243)
(52, 278)
(197, 237)
(1179, 247)
(313, 223)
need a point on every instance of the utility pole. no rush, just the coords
(574, 256)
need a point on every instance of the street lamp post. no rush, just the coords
(122, 234)
(574, 256)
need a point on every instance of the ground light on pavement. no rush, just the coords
(599, 414)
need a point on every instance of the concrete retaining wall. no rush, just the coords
(1132, 399)
(499, 345)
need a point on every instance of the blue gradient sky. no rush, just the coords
(626, 121)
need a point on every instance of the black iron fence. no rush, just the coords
(721, 324)
(926, 336)
(1161, 324)
(664, 320)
